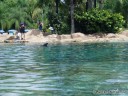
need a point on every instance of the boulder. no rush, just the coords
(65, 36)
(78, 35)
(111, 35)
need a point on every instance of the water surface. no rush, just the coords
(98, 69)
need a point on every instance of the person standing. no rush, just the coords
(22, 31)
(40, 26)
(51, 29)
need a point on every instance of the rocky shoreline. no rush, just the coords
(35, 36)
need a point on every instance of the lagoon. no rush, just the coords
(91, 69)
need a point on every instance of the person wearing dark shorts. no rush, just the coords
(22, 31)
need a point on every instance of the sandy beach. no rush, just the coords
(35, 36)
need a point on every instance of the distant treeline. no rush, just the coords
(89, 16)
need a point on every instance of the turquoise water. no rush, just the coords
(99, 69)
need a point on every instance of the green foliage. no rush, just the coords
(13, 12)
(118, 6)
(110, 4)
(99, 21)
(125, 11)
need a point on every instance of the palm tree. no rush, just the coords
(72, 17)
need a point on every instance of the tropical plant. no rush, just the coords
(99, 21)
(57, 13)
(125, 11)
(13, 12)
(118, 6)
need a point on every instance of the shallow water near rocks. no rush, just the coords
(96, 69)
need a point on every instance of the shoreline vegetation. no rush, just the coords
(35, 36)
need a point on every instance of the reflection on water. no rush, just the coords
(64, 70)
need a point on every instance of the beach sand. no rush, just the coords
(35, 36)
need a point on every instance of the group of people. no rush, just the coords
(22, 30)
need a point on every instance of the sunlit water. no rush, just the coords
(99, 69)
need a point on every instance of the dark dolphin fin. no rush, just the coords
(45, 44)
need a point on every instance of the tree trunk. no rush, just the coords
(87, 6)
(72, 17)
(57, 1)
(100, 4)
(94, 3)
(90, 4)
(57, 31)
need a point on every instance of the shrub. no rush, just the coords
(98, 21)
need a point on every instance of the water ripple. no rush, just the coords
(62, 70)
